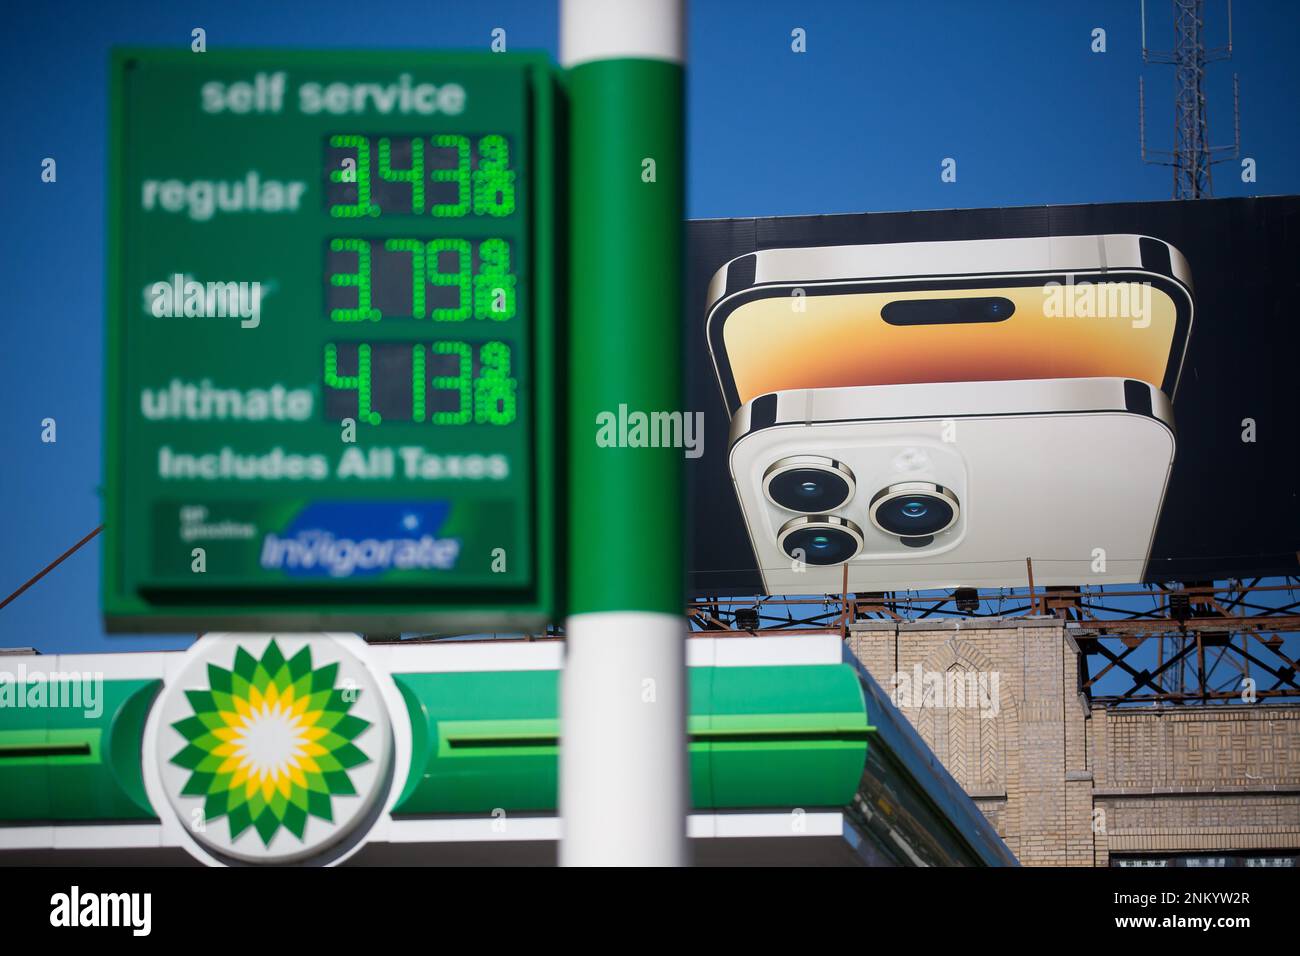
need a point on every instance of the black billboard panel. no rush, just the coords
(931, 398)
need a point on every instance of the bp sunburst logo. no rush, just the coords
(270, 742)
(278, 745)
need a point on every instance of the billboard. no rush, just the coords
(946, 398)
(329, 332)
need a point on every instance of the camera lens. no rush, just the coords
(808, 484)
(914, 509)
(820, 539)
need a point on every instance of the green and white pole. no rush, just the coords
(623, 776)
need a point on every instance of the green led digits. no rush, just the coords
(447, 176)
(362, 207)
(472, 383)
(461, 382)
(494, 286)
(417, 383)
(360, 381)
(360, 279)
(494, 184)
(459, 175)
(392, 279)
(494, 390)
(460, 276)
(414, 175)
(416, 248)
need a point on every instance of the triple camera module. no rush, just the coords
(811, 485)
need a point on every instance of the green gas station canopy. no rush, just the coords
(329, 341)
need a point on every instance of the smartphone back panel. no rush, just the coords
(1020, 462)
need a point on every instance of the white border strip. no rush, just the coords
(764, 651)
(699, 826)
(447, 657)
(479, 829)
(84, 836)
(150, 665)
(460, 656)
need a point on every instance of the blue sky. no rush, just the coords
(860, 122)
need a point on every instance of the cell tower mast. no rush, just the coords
(1192, 155)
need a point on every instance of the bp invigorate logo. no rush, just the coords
(274, 748)
(345, 539)
(270, 742)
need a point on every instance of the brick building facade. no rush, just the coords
(1069, 784)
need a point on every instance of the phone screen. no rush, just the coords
(1105, 329)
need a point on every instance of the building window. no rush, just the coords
(1285, 858)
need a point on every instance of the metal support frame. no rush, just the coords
(1206, 637)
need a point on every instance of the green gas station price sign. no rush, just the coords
(330, 394)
